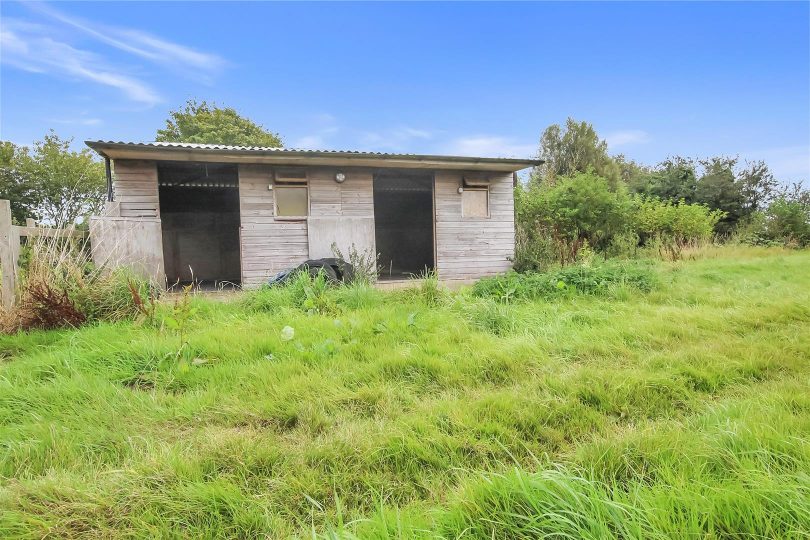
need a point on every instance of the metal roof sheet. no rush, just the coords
(102, 147)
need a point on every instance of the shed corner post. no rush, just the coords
(6, 254)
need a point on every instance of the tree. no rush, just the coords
(575, 150)
(674, 179)
(757, 185)
(52, 183)
(14, 185)
(204, 123)
(719, 189)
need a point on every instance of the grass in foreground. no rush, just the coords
(682, 411)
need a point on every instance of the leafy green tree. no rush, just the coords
(719, 189)
(636, 176)
(14, 185)
(203, 123)
(576, 149)
(52, 183)
(757, 185)
(674, 179)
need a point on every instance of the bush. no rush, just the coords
(788, 221)
(785, 222)
(60, 286)
(580, 279)
(555, 221)
(672, 226)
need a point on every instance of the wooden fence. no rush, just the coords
(10, 240)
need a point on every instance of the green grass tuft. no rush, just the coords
(639, 400)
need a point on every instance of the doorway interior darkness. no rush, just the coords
(199, 212)
(403, 221)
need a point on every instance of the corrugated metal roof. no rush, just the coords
(103, 146)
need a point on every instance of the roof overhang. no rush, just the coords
(293, 157)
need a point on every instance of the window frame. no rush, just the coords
(298, 180)
(485, 189)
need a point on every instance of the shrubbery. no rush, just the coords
(60, 286)
(786, 222)
(556, 222)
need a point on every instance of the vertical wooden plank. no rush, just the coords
(473, 247)
(6, 254)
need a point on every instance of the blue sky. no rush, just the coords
(655, 79)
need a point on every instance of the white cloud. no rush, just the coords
(27, 47)
(627, 137)
(78, 121)
(140, 43)
(491, 146)
(788, 163)
(324, 130)
(309, 142)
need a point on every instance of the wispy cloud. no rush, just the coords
(78, 121)
(627, 137)
(326, 132)
(140, 43)
(28, 47)
(491, 146)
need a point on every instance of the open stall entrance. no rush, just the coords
(403, 222)
(199, 211)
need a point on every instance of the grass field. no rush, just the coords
(682, 411)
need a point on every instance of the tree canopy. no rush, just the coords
(576, 149)
(50, 182)
(206, 123)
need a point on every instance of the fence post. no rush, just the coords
(7, 270)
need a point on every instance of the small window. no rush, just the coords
(475, 203)
(292, 201)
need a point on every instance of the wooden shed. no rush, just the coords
(230, 214)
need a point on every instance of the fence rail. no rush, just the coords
(10, 241)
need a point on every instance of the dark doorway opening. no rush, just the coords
(199, 211)
(403, 222)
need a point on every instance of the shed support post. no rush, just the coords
(7, 267)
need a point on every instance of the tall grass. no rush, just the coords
(680, 411)
(60, 286)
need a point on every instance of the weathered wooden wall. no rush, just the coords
(268, 244)
(271, 244)
(469, 248)
(135, 185)
(466, 248)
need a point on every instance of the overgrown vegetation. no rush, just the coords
(562, 222)
(580, 279)
(582, 197)
(646, 400)
(60, 286)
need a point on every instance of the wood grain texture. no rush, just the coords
(468, 248)
(267, 245)
(135, 188)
